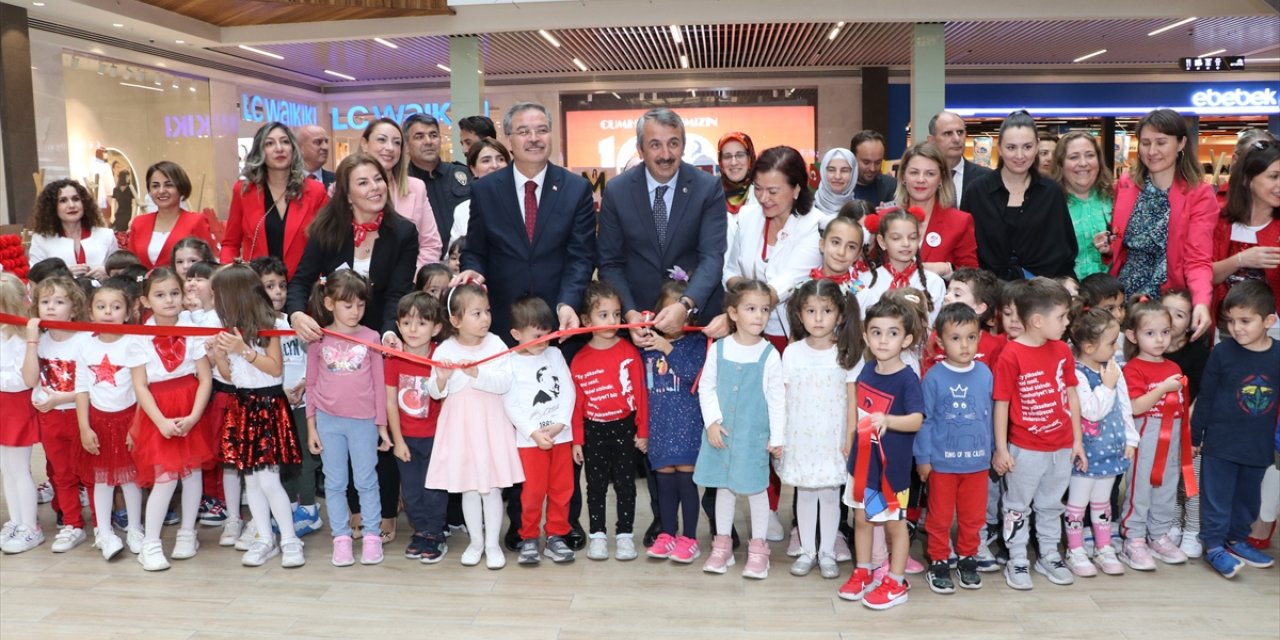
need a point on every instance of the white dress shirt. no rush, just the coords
(783, 266)
(957, 178)
(520, 179)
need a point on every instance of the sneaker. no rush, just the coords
(804, 563)
(44, 493)
(212, 512)
(248, 535)
(843, 554)
(185, 544)
(133, 539)
(413, 550)
(757, 565)
(775, 532)
(472, 555)
(231, 532)
(1108, 562)
(529, 553)
(914, 567)
(455, 529)
(68, 538)
(1053, 568)
(940, 578)
(120, 519)
(576, 538)
(306, 519)
(662, 547)
(651, 534)
(1166, 550)
(1191, 544)
(1251, 556)
(793, 543)
(291, 552)
(24, 539)
(7, 531)
(511, 540)
(598, 548)
(967, 572)
(171, 517)
(721, 557)
(1018, 575)
(371, 549)
(686, 550)
(342, 556)
(495, 558)
(1137, 556)
(109, 543)
(857, 585)
(887, 595)
(880, 573)
(152, 556)
(1079, 563)
(558, 550)
(827, 566)
(433, 551)
(1225, 563)
(986, 561)
(625, 548)
(259, 553)
(1175, 534)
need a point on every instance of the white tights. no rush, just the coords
(19, 486)
(482, 513)
(102, 495)
(758, 503)
(267, 498)
(812, 504)
(1083, 492)
(231, 492)
(158, 504)
(1270, 495)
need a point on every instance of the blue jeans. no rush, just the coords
(1230, 498)
(425, 507)
(356, 440)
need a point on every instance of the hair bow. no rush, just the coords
(678, 274)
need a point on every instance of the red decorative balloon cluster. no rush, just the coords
(12, 257)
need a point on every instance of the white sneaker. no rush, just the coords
(494, 558)
(248, 536)
(1079, 563)
(1175, 535)
(1191, 544)
(827, 566)
(471, 556)
(775, 532)
(133, 538)
(598, 548)
(7, 531)
(109, 543)
(44, 493)
(152, 556)
(258, 554)
(68, 538)
(291, 550)
(186, 544)
(625, 548)
(1053, 568)
(24, 539)
(231, 533)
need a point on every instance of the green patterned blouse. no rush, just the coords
(1089, 217)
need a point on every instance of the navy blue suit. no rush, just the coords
(556, 266)
(631, 258)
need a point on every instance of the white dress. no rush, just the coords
(817, 406)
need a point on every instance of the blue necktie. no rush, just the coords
(660, 215)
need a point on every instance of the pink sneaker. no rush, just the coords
(1136, 554)
(1166, 551)
(371, 549)
(880, 573)
(843, 554)
(793, 543)
(914, 567)
(661, 547)
(1108, 562)
(342, 552)
(721, 557)
(757, 566)
(686, 550)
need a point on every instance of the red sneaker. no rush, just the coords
(887, 595)
(857, 586)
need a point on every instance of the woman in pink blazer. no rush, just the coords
(383, 140)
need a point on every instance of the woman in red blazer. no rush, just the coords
(152, 236)
(925, 188)
(274, 203)
(1164, 213)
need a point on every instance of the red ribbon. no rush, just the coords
(1170, 409)
(862, 462)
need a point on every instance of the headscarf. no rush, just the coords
(735, 193)
(825, 198)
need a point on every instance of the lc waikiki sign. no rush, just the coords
(356, 116)
(255, 108)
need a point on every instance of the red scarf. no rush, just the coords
(363, 229)
(816, 274)
(900, 278)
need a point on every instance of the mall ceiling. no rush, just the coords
(235, 13)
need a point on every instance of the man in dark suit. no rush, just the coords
(947, 132)
(873, 186)
(313, 141)
(532, 228)
(659, 215)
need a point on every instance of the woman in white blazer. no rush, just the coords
(67, 224)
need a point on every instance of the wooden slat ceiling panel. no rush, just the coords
(233, 13)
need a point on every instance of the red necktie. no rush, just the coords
(530, 207)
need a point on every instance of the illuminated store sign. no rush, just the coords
(255, 108)
(1234, 98)
(357, 116)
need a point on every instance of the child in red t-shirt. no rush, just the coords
(978, 290)
(411, 416)
(1037, 429)
(610, 417)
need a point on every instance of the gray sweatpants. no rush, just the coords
(1039, 479)
(1149, 512)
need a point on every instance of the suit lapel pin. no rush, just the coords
(555, 187)
(684, 189)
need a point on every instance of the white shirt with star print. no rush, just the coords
(103, 371)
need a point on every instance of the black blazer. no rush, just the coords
(391, 270)
(556, 266)
(630, 257)
(326, 175)
(971, 172)
(1038, 238)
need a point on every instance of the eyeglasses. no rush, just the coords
(525, 132)
(730, 157)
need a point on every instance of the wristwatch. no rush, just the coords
(689, 307)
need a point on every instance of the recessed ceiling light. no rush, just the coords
(684, 61)
(835, 31)
(1212, 53)
(444, 68)
(579, 64)
(1172, 26)
(676, 35)
(140, 86)
(386, 43)
(549, 38)
(117, 25)
(37, 4)
(338, 75)
(180, 41)
(1090, 55)
(261, 52)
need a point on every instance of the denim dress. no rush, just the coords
(1104, 441)
(743, 465)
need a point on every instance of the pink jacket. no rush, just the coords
(1193, 212)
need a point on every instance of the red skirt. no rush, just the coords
(258, 430)
(18, 426)
(113, 465)
(162, 459)
(215, 417)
